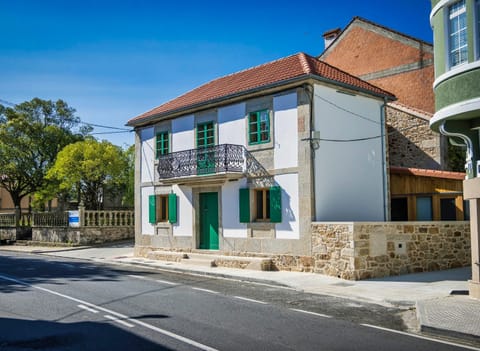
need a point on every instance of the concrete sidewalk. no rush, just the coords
(439, 297)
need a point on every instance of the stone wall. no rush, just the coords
(373, 250)
(82, 236)
(411, 142)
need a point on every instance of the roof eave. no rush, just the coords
(284, 84)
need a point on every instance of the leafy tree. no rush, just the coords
(129, 177)
(31, 135)
(88, 168)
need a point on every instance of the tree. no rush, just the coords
(88, 168)
(31, 135)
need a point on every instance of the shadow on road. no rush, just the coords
(20, 334)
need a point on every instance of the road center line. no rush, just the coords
(135, 321)
(151, 279)
(119, 321)
(206, 290)
(312, 313)
(421, 337)
(88, 308)
(250, 300)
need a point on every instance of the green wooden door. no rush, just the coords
(209, 221)
(205, 154)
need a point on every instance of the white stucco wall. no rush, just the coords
(184, 226)
(349, 176)
(232, 228)
(147, 154)
(183, 133)
(285, 131)
(289, 227)
(147, 228)
(231, 125)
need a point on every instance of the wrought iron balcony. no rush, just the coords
(225, 158)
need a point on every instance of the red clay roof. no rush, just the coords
(276, 72)
(428, 173)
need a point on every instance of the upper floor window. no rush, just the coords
(162, 144)
(205, 134)
(457, 33)
(259, 127)
(477, 33)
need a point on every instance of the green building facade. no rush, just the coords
(456, 28)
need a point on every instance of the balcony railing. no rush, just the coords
(225, 158)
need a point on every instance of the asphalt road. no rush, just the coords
(52, 303)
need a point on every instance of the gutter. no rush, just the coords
(468, 142)
(147, 120)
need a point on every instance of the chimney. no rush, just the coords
(330, 36)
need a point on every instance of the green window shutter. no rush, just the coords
(172, 208)
(244, 198)
(152, 209)
(275, 204)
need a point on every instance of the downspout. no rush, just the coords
(468, 143)
(386, 192)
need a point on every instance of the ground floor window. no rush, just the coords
(448, 209)
(399, 209)
(265, 207)
(162, 208)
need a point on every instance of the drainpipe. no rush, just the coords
(386, 212)
(468, 142)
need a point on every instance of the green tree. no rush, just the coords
(31, 135)
(88, 168)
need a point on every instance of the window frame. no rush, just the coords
(161, 138)
(258, 125)
(450, 17)
(205, 137)
(161, 208)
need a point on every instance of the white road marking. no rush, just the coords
(250, 300)
(119, 321)
(206, 290)
(151, 279)
(88, 308)
(312, 313)
(134, 321)
(422, 337)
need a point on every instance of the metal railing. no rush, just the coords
(202, 161)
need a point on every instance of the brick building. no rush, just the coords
(404, 66)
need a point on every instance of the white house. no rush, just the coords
(246, 162)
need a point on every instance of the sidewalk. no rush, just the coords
(439, 297)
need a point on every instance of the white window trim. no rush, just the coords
(448, 49)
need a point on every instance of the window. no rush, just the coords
(399, 209)
(466, 210)
(448, 210)
(267, 205)
(163, 145)
(262, 204)
(424, 208)
(162, 208)
(205, 135)
(457, 32)
(259, 127)
(477, 33)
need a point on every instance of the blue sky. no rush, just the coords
(113, 60)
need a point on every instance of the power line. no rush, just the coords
(81, 122)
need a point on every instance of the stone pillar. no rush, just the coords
(471, 191)
(81, 214)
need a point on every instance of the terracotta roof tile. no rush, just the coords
(280, 71)
(428, 173)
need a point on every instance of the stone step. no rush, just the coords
(170, 256)
(241, 262)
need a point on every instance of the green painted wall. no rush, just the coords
(439, 43)
(462, 87)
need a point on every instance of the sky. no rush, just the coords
(112, 60)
